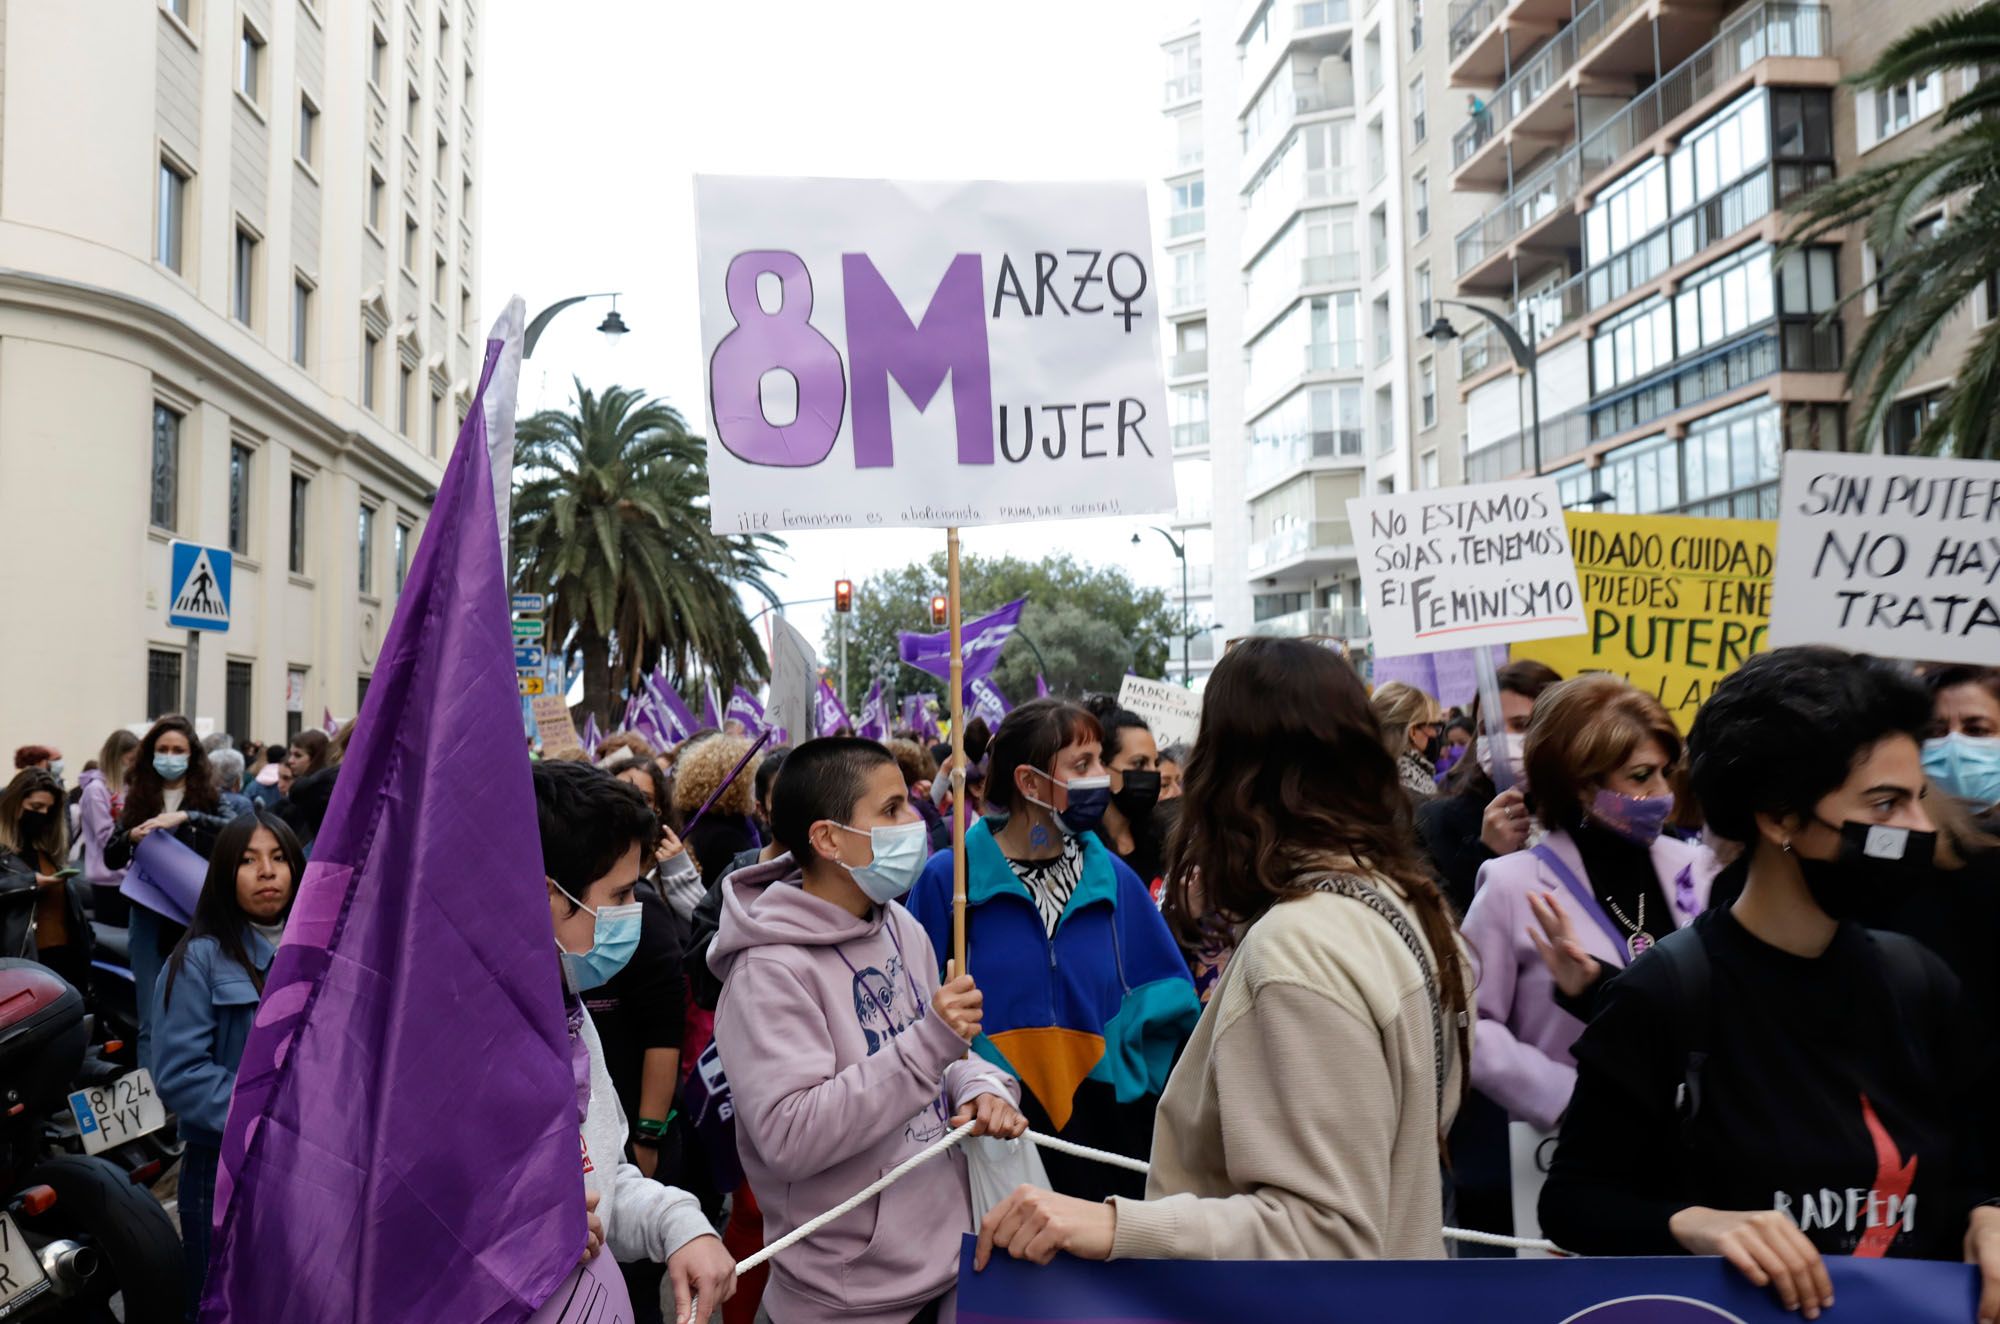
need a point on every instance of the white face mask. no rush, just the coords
(1516, 743)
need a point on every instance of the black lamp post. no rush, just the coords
(613, 326)
(1180, 550)
(1442, 331)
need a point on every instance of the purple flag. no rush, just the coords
(327, 723)
(403, 1139)
(744, 708)
(982, 638)
(625, 722)
(1041, 686)
(591, 736)
(669, 712)
(984, 699)
(874, 715)
(709, 717)
(829, 713)
(165, 877)
(1449, 677)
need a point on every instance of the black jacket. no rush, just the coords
(1449, 828)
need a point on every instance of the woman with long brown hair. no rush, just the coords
(1339, 1029)
(34, 847)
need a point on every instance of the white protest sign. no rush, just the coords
(882, 353)
(1172, 711)
(1888, 554)
(1458, 567)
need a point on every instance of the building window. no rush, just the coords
(180, 9)
(243, 298)
(360, 693)
(1906, 421)
(239, 499)
(1417, 125)
(413, 109)
(465, 310)
(371, 349)
(308, 131)
(250, 63)
(1898, 107)
(402, 553)
(168, 243)
(437, 279)
(443, 155)
(163, 682)
(377, 189)
(295, 558)
(1423, 289)
(166, 467)
(364, 546)
(1427, 393)
(411, 233)
(378, 57)
(437, 421)
(1416, 25)
(302, 293)
(236, 700)
(405, 382)
(1427, 470)
(1420, 194)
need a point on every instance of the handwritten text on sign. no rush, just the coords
(1674, 603)
(1889, 554)
(884, 354)
(1462, 566)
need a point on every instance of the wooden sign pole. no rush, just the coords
(957, 773)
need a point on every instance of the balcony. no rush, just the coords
(1189, 157)
(1757, 34)
(1185, 88)
(1537, 316)
(1333, 356)
(1330, 269)
(1190, 436)
(1562, 436)
(1482, 32)
(1274, 458)
(1187, 298)
(1266, 209)
(1181, 224)
(1351, 623)
(1331, 536)
(1188, 363)
(1319, 14)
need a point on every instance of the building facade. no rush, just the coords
(237, 271)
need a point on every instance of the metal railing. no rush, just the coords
(1348, 624)
(1187, 363)
(1313, 535)
(1180, 224)
(1562, 436)
(1190, 436)
(1467, 19)
(1333, 356)
(1540, 73)
(1319, 14)
(1754, 35)
(1327, 268)
(1184, 88)
(1271, 457)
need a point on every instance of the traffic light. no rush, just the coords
(843, 595)
(940, 610)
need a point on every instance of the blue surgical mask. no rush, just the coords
(1965, 767)
(1088, 798)
(613, 940)
(1639, 820)
(900, 850)
(171, 767)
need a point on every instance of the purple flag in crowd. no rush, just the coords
(982, 640)
(710, 717)
(327, 723)
(744, 708)
(984, 699)
(631, 712)
(1450, 677)
(829, 713)
(403, 1139)
(591, 736)
(874, 715)
(668, 707)
(1041, 686)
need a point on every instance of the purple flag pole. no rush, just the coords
(403, 1139)
(734, 773)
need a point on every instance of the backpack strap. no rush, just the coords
(1687, 956)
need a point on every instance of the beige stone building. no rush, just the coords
(237, 271)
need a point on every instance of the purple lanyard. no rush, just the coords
(1584, 896)
(579, 1056)
(888, 1021)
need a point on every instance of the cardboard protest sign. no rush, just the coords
(885, 353)
(1674, 603)
(552, 720)
(1889, 554)
(1172, 711)
(1458, 567)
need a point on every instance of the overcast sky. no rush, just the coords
(599, 113)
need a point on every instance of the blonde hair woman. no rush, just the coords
(1411, 725)
(727, 829)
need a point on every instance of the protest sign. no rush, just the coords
(1172, 711)
(885, 353)
(1462, 566)
(593, 1294)
(552, 720)
(1889, 554)
(1661, 1290)
(1451, 676)
(1673, 603)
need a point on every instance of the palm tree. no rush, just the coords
(1925, 280)
(611, 521)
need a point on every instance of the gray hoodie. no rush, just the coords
(839, 1070)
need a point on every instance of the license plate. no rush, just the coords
(20, 1270)
(127, 1108)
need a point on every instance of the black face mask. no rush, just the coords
(1137, 794)
(34, 823)
(1875, 864)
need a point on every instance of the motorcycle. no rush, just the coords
(80, 1243)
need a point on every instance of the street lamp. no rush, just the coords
(1180, 550)
(1524, 357)
(613, 326)
(1595, 500)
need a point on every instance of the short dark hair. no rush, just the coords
(1951, 677)
(767, 772)
(588, 820)
(1786, 728)
(218, 912)
(1030, 737)
(274, 753)
(822, 780)
(654, 777)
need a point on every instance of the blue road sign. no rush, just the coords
(530, 602)
(198, 588)
(529, 657)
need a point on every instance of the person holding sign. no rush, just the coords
(1087, 998)
(1598, 755)
(1306, 1119)
(1780, 1083)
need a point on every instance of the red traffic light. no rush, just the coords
(843, 595)
(940, 609)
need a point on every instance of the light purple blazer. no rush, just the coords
(1520, 1056)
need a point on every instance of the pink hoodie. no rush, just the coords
(839, 1070)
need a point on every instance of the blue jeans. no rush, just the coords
(197, 1206)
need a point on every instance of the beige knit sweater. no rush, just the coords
(1302, 1121)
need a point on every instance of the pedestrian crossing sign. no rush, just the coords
(199, 587)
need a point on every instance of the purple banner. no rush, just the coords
(1452, 678)
(165, 876)
(982, 638)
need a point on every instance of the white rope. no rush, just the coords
(1468, 1236)
(1085, 1151)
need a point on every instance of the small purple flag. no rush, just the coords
(403, 1142)
(669, 712)
(591, 736)
(874, 715)
(984, 699)
(327, 723)
(1041, 686)
(744, 708)
(165, 877)
(982, 641)
(625, 722)
(829, 713)
(710, 718)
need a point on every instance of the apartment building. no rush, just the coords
(1292, 350)
(237, 271)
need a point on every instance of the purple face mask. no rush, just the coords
(1639, 821)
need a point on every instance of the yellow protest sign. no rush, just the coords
(1674, 603)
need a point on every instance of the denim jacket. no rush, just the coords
(199, 1032)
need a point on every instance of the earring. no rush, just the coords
(1786, 846)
